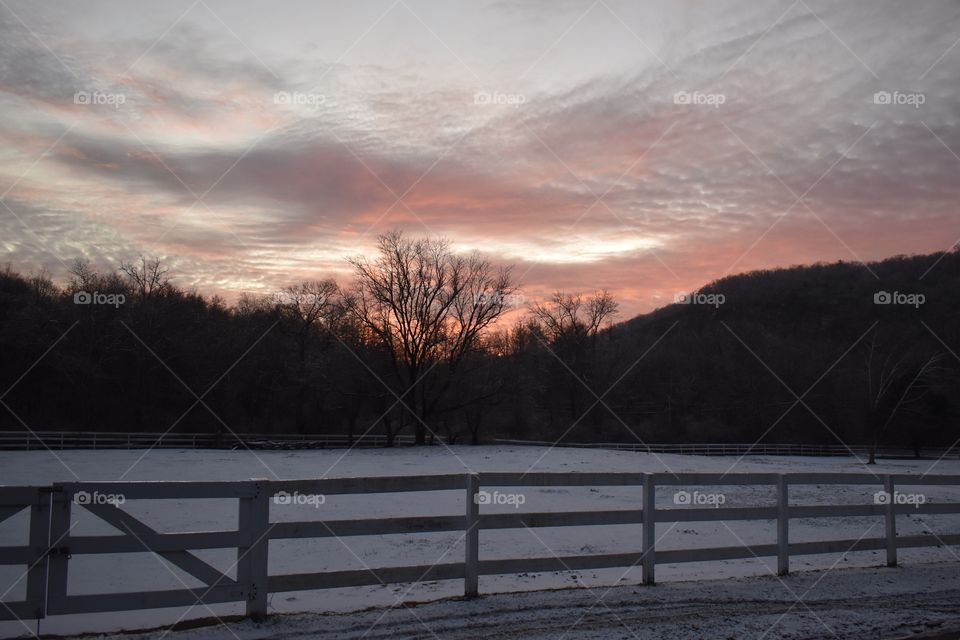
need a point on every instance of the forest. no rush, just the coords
(427, 342)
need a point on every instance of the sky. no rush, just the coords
(642, 147)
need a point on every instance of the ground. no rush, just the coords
(92, 574)
(848, 603)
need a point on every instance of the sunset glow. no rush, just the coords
(645, 148)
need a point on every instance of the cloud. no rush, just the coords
(603, 182)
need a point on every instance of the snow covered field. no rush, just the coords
(92, 574)
(841, 604)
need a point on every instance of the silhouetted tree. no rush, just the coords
(898, 381)
(426, 307)
(567, 326)
(310, 312)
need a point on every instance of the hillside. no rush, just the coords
(800, 354)
(819, 329)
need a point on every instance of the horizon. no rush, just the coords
(643, 149)
(520, 305)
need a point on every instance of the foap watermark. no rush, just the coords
(87, 498)
(900, 98)
(708, 299)
(502, 299)
(897, 297)
(112, 299)
(299, 99)
(884, 498)
(699, 98)
(496, 497)
(99, 98)
(284, 298)
(297, 498)
(698, 498)
(499, 98)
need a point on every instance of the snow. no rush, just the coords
(120, 572)
(848, 603)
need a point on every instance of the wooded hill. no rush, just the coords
(813, 354)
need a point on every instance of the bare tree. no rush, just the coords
(310, 311)
(895, 383)
(83, 277)
(569, 316)
(426, 306)
(43, 287)
(568, 326)
(148, 279)
(308, 306)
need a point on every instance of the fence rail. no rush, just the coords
(761, 449)
(58, 440)
(52, 544)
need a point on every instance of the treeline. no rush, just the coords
(827, 353)
(417, 341)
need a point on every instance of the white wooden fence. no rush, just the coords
(743, 449)
(51, 544)
(58, 440)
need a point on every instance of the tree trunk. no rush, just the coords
(388, 427)
(420, 428)
(475, 430)
(301, 411)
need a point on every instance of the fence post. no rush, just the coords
(253, 524)
(471, 567)
(891, 518)
(783, 526)
(57, 553)
(39, 540)
(648, 552)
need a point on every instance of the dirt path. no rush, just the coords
(851, 603)
(509, 618)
